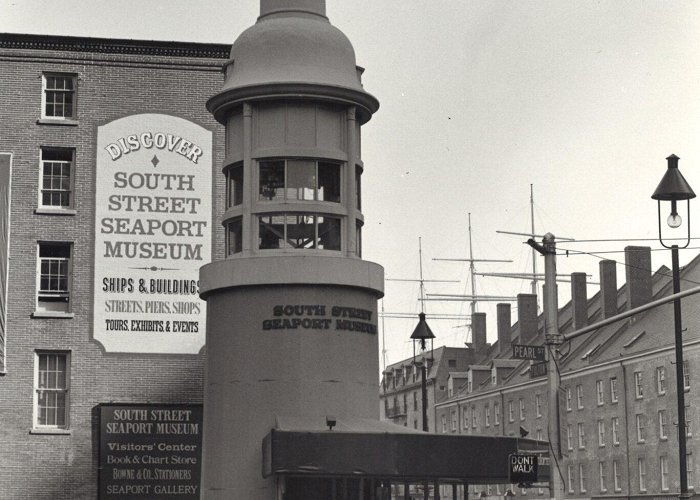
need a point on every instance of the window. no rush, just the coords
(663, 471)
(452, 363)
(640, 428)
(289, 230)
(306, 180)
(234, 236)
(579, 397)
(234, 185)
(470, 384)
(415, 400)
(602, 472)
(405, 403)
(538, 435)
(642, 470)
(688, 429)
(663, 425)
(601, 433)
(569, 437)
(522, 409)
(52, 379)
(613, 390)
(465, 412)
(686, 375)
(487, 416)
(568, 399)
(661, 380)
(690, 468)
(358, 187)
(496, 414)
(59, 96)
(600, 392)
(443, 421)
(582, 478)
(617, 480)
(510, 411)
(538, 405)
(616, 430)
(56, 178)
(473, 417)
(54, 278)
(570, 478)
(638, 389)
(454, 420)
(581, 436)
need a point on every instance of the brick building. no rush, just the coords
(618, 395)
(88, 127)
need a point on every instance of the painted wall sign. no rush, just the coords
(152, 233)
(5, 177)
(320, 317)
(150, 452)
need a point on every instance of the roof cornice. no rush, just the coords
(20, 41)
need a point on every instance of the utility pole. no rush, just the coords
(553, 340)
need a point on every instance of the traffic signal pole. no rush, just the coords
(553, 340)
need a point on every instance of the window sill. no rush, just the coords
(54, 121)
(52, 314)
(55, 432)
(55, 211)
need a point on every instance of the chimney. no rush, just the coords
(608, 287)
(503, 326)
(527, 317)
(579, 300)
(638, 270)
(479, 332)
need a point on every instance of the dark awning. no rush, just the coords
(405, 455)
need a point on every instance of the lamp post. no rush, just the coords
(674, 188)
(421, 333)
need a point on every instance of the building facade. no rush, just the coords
(110, 185)
(617, 402)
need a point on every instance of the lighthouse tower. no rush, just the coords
(292, 309)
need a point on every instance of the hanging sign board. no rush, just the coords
(538, 370)
(522, 468)
(532, 352)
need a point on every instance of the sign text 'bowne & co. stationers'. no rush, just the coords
(150, 452)
(153, 233)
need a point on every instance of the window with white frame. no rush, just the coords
(474, 417)
(454, 420)
(538, 405)
(661, 380)
(510, 411)
(538, 435)
(568, 399)
(53, 277)
(617, 480)
(602, 477)
(686, 375)
(615, 426)
(443, 421)
(690, 467)
(613, 390)
(663, 472)
(600, 392)
(688, 428)
(496, 414)
(581, 478)
(56, 191)
(487, 416)
(638, 387)
(579, 397)
(581, 436)
(642, 473)
(601, 433)
(641, 423)
(465, 412)
(59, 96)
(521, 404)
(663, 425)
(569, 437)
(52, 383)
(570, 478)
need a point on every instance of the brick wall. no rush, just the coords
(110, 86)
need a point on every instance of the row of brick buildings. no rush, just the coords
(617, 410)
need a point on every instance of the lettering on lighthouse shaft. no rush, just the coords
(321, 317)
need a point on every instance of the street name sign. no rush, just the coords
(522, 469)
(538, 370)
(532, 352)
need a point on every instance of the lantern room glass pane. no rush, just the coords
(329, 233)
(270, 232)
(301, 231)
(301, 179)
(272, 180)
(329, 182)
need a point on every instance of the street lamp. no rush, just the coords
(421, 333)
(674, 188)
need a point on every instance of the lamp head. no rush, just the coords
(673, 186)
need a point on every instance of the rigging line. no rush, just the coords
(571, 253)
(627, 239)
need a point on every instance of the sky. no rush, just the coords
(479, 100)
